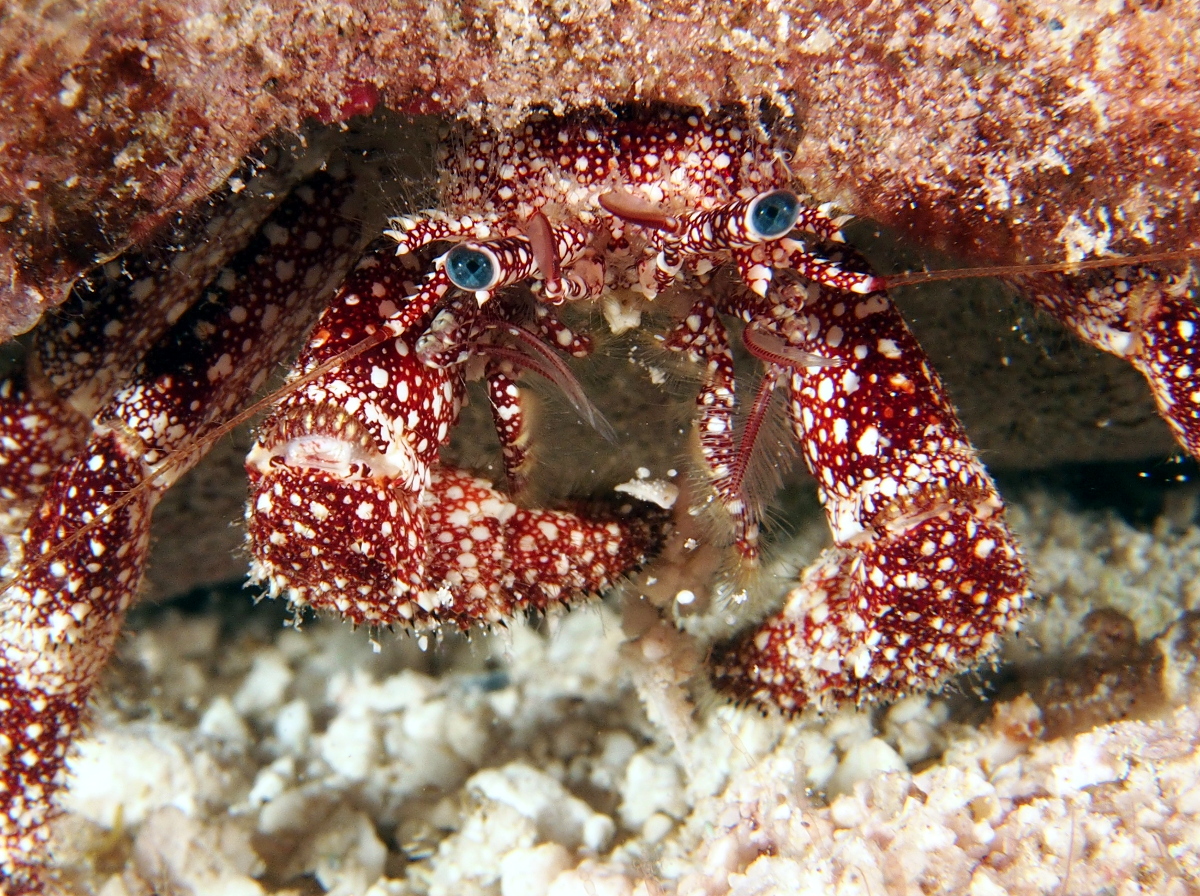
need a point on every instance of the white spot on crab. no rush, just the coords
(221, 369)
(889, 349)
(868, 442)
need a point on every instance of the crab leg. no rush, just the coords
(39, 435)
(1134, 313)
(702, 336)
(118, 311)
(510, 415)
(924, 576)
(85, 546)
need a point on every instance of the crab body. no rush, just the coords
(352, 509)
(925, 575)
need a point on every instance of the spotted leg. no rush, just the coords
(85, 546)
(702, 336)
(1138, 314)
(924, 576)
(118, 311)
(510, 415)
(38, 434)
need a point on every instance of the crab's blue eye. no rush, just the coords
(772, 215)
(470, 267)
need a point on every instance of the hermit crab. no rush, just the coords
(351, 509)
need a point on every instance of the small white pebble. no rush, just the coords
(293, 727)
(221, 721)
(264, 687)
(652, 784)
(865, 760)
(656, 827)
(350, 745)
(530, 871)
(654, 491)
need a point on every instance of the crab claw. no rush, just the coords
(333, 521)
(460, 552)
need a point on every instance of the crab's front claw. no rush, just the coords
(461, 553)
(353, 545)
(899, 615)
(925, 576)
(491, 560)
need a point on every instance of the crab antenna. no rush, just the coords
(1064, 267)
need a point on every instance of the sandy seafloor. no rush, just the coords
(233, 754)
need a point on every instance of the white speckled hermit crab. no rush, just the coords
(351, 509)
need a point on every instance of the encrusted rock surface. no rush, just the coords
(999, 133)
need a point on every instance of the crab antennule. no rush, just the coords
(539, 358)
(773, 350)
(625, 205)
(544, 248)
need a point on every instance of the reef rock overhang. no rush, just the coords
(1063, 132)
